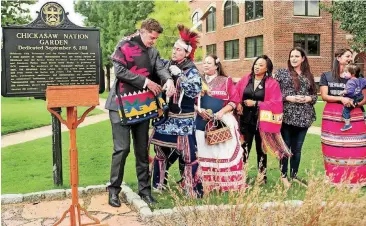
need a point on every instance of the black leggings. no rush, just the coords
(250, 132)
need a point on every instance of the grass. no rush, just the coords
(322, 204)
(27, 168)
(31, 163)
(15, 119)
(319, 107)
(18, 114)
(104, 95)
(312, 158)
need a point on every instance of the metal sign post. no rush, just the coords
(57, 149)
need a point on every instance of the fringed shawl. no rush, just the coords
(270, 117)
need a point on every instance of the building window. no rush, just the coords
(211, 20)
(306, 8)
(231, 49)
(211, 49)
(309, 42)
(195, 20)
(231, 13)
(253, 9)
(253, 46)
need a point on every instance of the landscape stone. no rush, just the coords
(33, 197)
(139, 203)
(54, 194)
(100, 203)
(11, 198)
(123, 220)
(47, 209)
(95, 189)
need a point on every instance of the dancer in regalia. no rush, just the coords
(175, 138)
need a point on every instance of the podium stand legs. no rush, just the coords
(75, 208)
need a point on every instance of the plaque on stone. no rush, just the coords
(50, 51)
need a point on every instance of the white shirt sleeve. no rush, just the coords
(146, 82)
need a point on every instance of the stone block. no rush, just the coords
(96, 189)
(139, 203)
(126, 189)
(15, 222)
(11, 198)
(33, 197)
(9, 213)
(163, 212)
(145, 213)
(81, 192)
(130, 220)
(55, 194)
(267, 205)
(34, 223)
(47, 209)
(294, 203)
(99, 203)
(131, 196)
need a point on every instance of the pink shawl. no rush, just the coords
(270, 116)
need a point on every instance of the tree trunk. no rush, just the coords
(108, 76)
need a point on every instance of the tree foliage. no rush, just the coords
(352, 18)
(115, 19)
(15, 12)
(170, 14)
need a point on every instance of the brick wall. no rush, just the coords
(277, 27)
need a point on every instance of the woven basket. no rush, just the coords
(214, 135)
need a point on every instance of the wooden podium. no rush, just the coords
(71, 97)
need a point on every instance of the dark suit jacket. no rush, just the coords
(160, 75)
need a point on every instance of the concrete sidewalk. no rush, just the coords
(314, 130)
(33, 134)
(46, 213)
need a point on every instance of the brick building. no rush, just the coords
(238, 31)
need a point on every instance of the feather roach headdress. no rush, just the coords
(188, 40)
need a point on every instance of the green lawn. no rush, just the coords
(311, 159)
(31, 162)
(18, 114)
(319, 107)
(104, 95)
(27, 167)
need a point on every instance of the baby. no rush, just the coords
(353, 90)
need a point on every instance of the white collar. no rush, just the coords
(209, 78)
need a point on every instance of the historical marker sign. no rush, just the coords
(51, 51)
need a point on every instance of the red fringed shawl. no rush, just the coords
(270, 117)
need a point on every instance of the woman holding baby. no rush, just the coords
(344, 151)
(220, 165)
